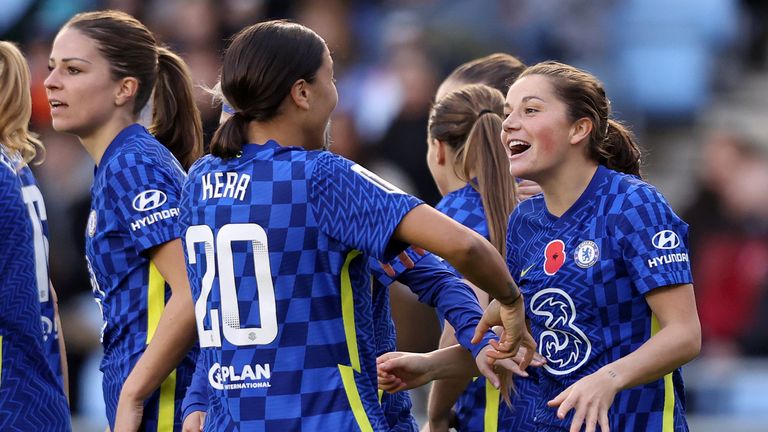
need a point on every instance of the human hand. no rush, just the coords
(194, 422)
(512, 318)
(404, 258)
(591, 397)
(399, 371)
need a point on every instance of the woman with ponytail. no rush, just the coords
(104, 68)
(279, 235)
(601, 258)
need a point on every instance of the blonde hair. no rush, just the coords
(16, 103)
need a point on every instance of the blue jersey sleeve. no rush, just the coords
(356, 207)
(196, 398)
(438, 287)
(653, 241)
(146, 196)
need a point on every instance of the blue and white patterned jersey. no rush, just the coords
(33, 198)
(134, 207)
(585, 276)
(31, 396)
(479, 407)
(278, 243)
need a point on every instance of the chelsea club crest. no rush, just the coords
(586, 254)
(92, 223)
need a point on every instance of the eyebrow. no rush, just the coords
(527, 98)
(69, 59)
(524, 100)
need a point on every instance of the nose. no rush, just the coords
(52, 80)
(511, 122)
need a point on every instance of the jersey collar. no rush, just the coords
(118, 142)
(584, 200)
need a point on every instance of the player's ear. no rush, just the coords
(300, 94)
(580, 129)
(440, 151)
(126, 90)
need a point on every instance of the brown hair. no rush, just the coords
(259, 69)
(469, 121)
(611, 143)
(497, 70)
(132, 51)
(16, 103)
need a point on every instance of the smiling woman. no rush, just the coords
(104, 67)
(601, 259)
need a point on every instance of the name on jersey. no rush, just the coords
(249, 376)
(225, 185)
(154, 217)
(667, 259)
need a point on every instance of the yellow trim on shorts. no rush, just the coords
(350, 333)
(155, 300)
(491, 415)
(668, 418)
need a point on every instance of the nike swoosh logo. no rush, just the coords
(525, 272)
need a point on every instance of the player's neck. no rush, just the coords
(97, 141)
(565, 185)
(284, 134)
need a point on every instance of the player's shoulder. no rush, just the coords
(632, 191)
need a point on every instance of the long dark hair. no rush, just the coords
(469, 121)
(611, 143)
(259, 69)
(132, 51)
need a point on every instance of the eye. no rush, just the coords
(73, 70)
(50, 68)
(530, 110)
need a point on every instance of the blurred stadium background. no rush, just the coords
(690, 75)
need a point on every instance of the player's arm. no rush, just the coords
(476, 259)
(677, 342)
(62, 346)
(444, 393)
(175, 335)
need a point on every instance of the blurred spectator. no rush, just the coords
(729, 244)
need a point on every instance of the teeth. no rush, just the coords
(514, 143)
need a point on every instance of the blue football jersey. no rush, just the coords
(584, 276)
(33, 198)
(278, 241)
(31, 396)
(134, 207)
(479, 407)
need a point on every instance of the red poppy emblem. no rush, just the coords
(554, 257)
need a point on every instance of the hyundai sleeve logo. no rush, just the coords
(665, 240)
(149, 199)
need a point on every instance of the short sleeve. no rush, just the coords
(145, 194)
(653, 241)
(356, 207)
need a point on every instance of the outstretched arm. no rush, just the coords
(476, 259)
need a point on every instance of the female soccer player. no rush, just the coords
(603, 262)
(278, 243)
(104, 68)
(31, 370)
(603, 258)
(470, 168)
